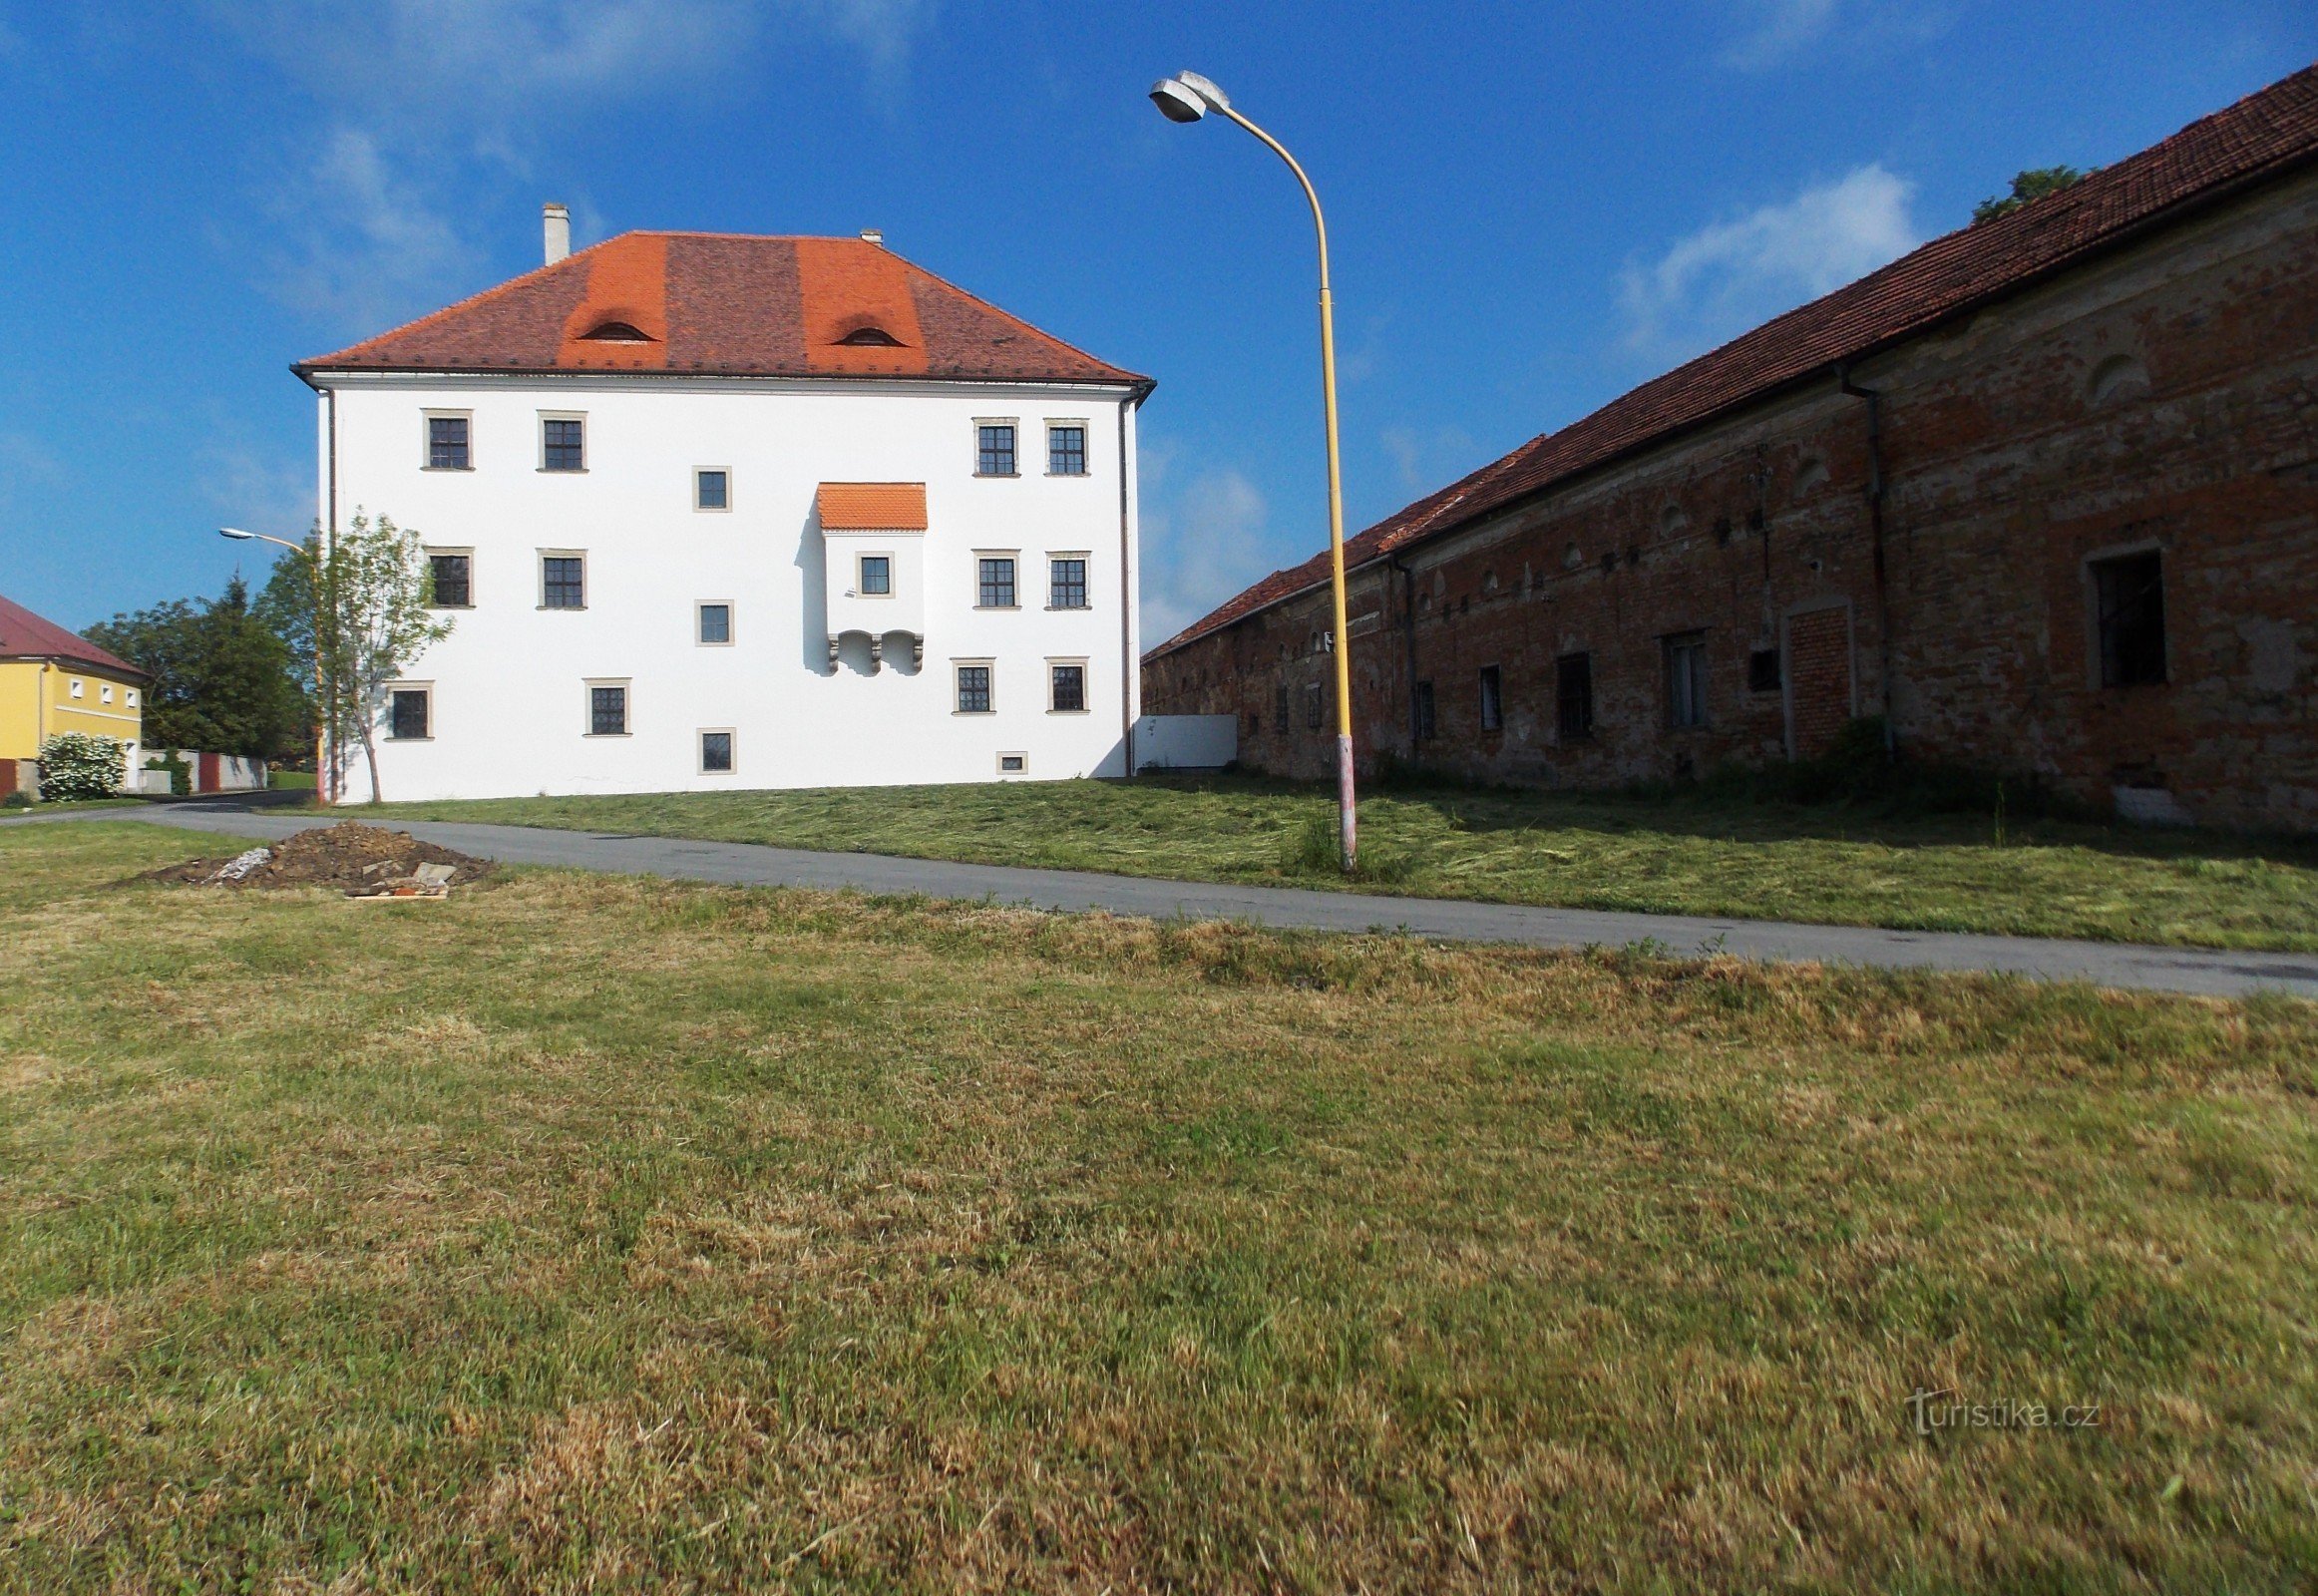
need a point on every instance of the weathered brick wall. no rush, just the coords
(2165, 398)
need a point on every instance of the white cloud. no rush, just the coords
(1200, 546)
(1730, 275)
(1424, 459)
(251, 490)
(1776, 31)
(364, 248)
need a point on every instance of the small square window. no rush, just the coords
(409, 714)
(716, 753)
(1066, 582)
(1492, 698)
(606, 712)
(711, 490)
(877, 575)
(997, 585)
(132, 698)
(1762, 673)
(562, 444)
(715, 624)
(1427, 720)
(1067, 450)
(79, 689)
(452, 578)
(447, 443)
(105, 692)
(2128, 594)
(973, 689)
(1573, 692)
(994, 448)
(563, 582)
(1070, 690)
(1014, 764)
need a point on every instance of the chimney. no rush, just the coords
(555, 222)
(876, 236)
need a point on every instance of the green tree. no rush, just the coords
(221, 677)
(285, 606)
(378, 584)
(2033, 184)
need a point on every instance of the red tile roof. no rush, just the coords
(24, 636)
(871, 506)
(2260, 136)
(730, 305)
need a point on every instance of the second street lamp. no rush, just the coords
(321, 687)
(1187, 97)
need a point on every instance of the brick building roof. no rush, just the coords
(2260, 136)
(871, 506)
(731, 305)
(24, 636)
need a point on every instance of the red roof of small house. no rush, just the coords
(2262, 135)
(731, 305)
(24, 636)
(871, 506)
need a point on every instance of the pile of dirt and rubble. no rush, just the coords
(361, 861)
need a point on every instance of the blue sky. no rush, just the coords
(1533, 207)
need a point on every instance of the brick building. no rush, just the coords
(2043, 492)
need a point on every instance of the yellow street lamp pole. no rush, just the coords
(321, 687)
(1187, 97)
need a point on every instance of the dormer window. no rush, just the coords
(870, 338)
(616, 332)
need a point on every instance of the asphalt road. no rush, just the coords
(2201, 971)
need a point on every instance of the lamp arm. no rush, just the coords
(1319, 221)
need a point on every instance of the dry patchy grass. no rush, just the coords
(585, 1233)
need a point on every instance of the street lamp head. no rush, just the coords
(237, 534)
(1176, 101)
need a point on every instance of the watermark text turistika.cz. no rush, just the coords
(1933, 1411)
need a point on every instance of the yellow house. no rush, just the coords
(52, 681)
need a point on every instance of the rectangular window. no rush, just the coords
(973, 689)
(997, 585)
(877, 575)
(1066, 582)
(105, 694)
(562, 444)
(2129, 594)
(453, 580)
(447, 443)
(1762, 670)
(1280, 708)
(1492, 698)
(994, 448)
(408, 714)
(1311, 707)
(1573, 695)
(710, 490)
(563, 582)
(1014, 764)
(1428, 727)
(1067, 450)
(1685, 679)
(715, 624)
(716, 753)
(606, 712)
(1070, 690)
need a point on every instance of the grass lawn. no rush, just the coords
(1673, 856)
(594, 1233)
(12, 812)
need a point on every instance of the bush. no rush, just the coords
(74, 765)
(16, 800)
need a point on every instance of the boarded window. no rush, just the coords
(1685, 679)
(1573, 693)
(2130, 593)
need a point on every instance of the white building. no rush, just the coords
(715, 512)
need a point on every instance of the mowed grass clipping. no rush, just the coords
(1679, 855)
(585, 1234)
